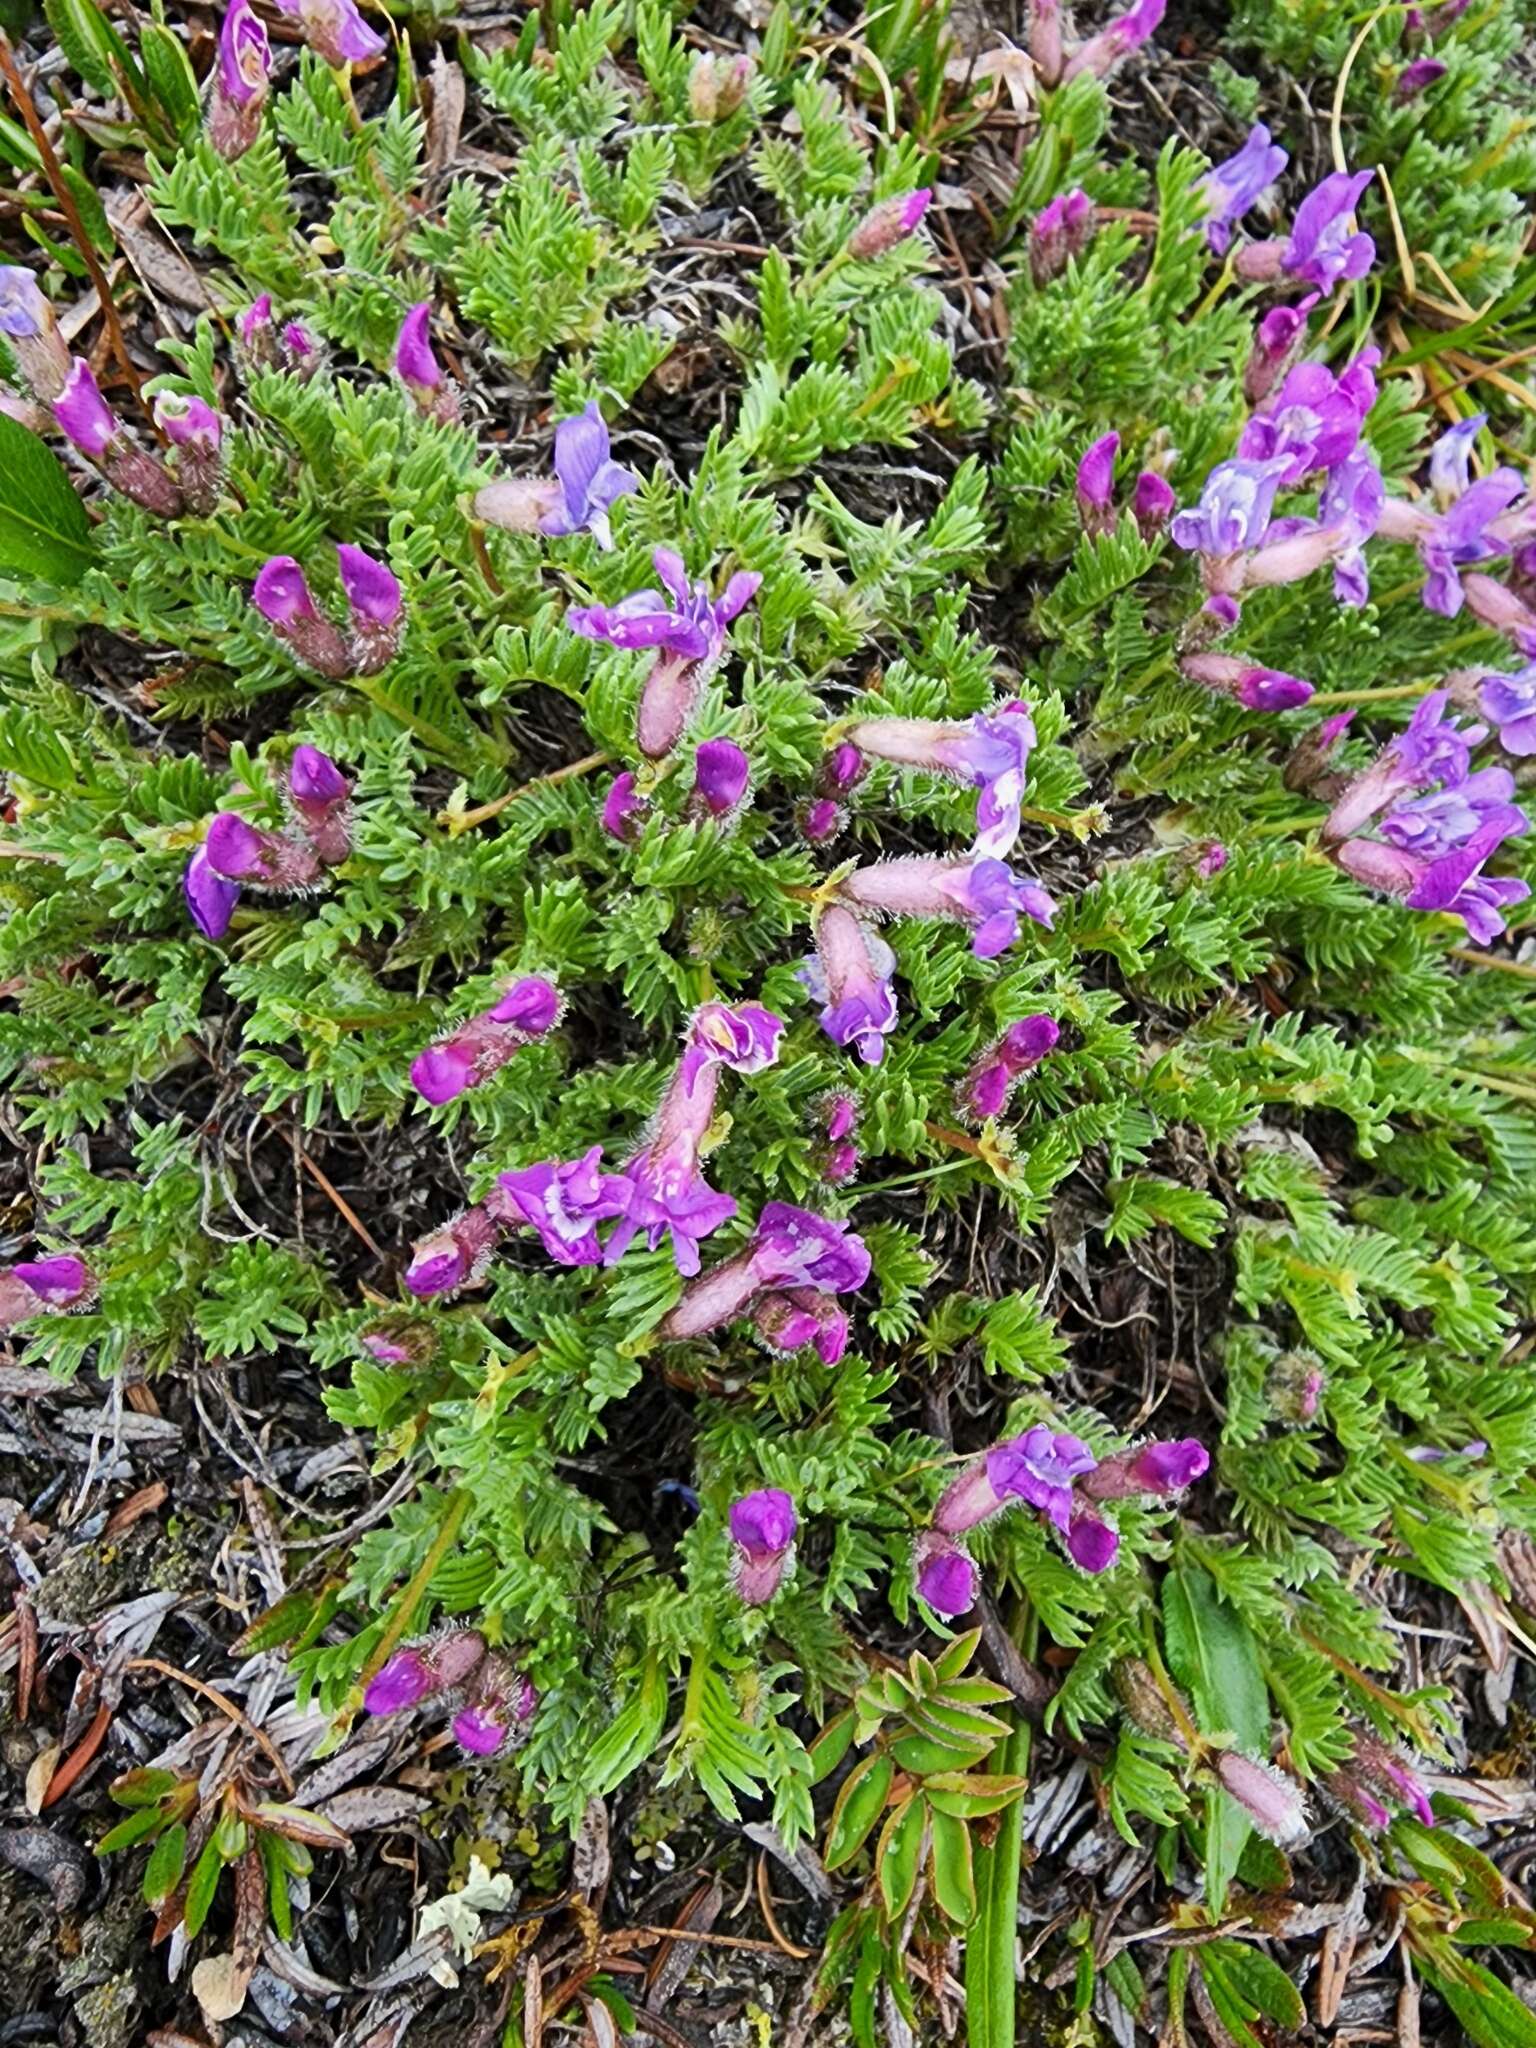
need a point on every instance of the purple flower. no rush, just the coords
(503, 1704)
(372, 591)
(1509, 702)
(843, 768)
(243, 852)
(320, 799)
(892, 221)
(1276, 339)
(531, 1005)
(1415, 77)
(1038, 1467)
(83, 414)
(792, 1250)
(1153, 1469)
(744, 1038)
(1315, 418)
(1322, 249)
(282, 595)
(210, 896)
(419, 370)
(1256, 689)
(989, 751)
(1432, 749)
(1096, 483)
(820, 820)
(1022, 1046)
(404, 1681)
(1231, 188)
(806, 1315)
(1464, 529)
(240, 78)
(482, 1045)
(624, 809)
(1058, 232)
(39, 1287)
(334, 30)
(455, 1256)
(721, 774)
(564, 1203)
(763, 1526)
(1450, 880)
(438, 1663)
(690, 627)
(945, 1576)
(255, 325)
(1101, 53)
(984, 894)
(1091, 1543)
(589, 482)
(188, 422)
(850, 976)
(1439, 823)
(1234, 509)
(1152, 502)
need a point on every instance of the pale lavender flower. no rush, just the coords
(1096, 483)
(792, 1249)
(1045, 46)
(990, 751)
(564, 1202)
(1314, 419)
(1432, 749)
(721, 774)
(1505, 610)
(624, 809)
(57, 1284)
(1464, 528)
(1231, 188)
(282, 595)
(1234, 511)
(1101, 53)
(1509, 703)
(744, 1037)
(986, 1088)
(1414, 78)
(589, 482)
(888, 223)
(763, 1526)
(945, 1576)
(210, 896)
(850, 976)
(31, 330)
(1255, 688)
(334, 30)
(455, 1256)
(238, 93)
(984, 894)
(319, 798)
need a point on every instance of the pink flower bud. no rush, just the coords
(1153, 1469)
(518, 504)
(763, 1526)
(1152, 502)
(454, 1257)
(377, 607)
(892, 221)
(721, 774)
(842, 769)
(820, 820)
(1272, 1801)
(83, 415)
(282, 595)
(717, 86)
(1096, 483)
(320, 798)
(419, 370)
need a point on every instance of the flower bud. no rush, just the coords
(1096, 484)
(1143, 1700)
(1310, 759)
(419, 370)
(1045, 49)
(1152, 502)
(517, 504)
(946, 1577)
(892, 221)
(763, 1526)
(320, 799)
(238, 93)
(1272, 1801)
(1154, 1470)
(624, 809)
(843, 768)
(282, 595)
(1415, 77)
(454, 1257)
(195, 431)
(503, 1704)
(377, 607)
(721, 774)
(210, 897)
(1091, 1543)
(820, 820)
(1256, 689)
(717, 86)
(398, 1342)
(247, 853)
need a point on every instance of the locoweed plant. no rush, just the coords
(900, 833)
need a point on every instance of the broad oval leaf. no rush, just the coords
(831, 1746)
(859, 1805)
(954, 1877)
(44, 529)
(899, 1854)
(166, 1862)
(922, 1756)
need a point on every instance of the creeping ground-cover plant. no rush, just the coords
(767, 793)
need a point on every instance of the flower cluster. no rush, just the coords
(238, 855)
(469, 1054)
(1100, 54)
(375, 608)
(787, 1278)
(1057, 1476)
(493, 1701)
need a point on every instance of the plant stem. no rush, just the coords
(420, 1580)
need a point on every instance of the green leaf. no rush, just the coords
(632, 1735)
(831, 1746)
(1491, 2013)
(922, 1756)
(200, 1892)
(953, 1873)
(899, 1854)
(142, 1788)
(163, 1871)
(1215, 1659)
(172, 83)
(970, 1795)
(44, 528)
(859, 1805)
(990, 1987)
(138, 1827)
(1261, 1985)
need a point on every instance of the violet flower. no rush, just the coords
(721, 774)
(763, 1526)
(1256, 689)
(1463, 530)
(1432, 749)
(1059, 232)
(91, 426)
(334, 30)
(687, 628)
(455, 1256)
(250, 854)
(843, 768)
(210, 896)
(589, 482)
(1101, 53)
(624, 809)
(57, 1284)
(1451, 881)
(377, 606)
(478, 1048)
(1414, 78)
(502, 1705)
(1234, 510)
(1151, 1470)
(850, 976)
(1314, 419)
(1152, 503)
(805, 1315)
(1096, 484)
(1039, 1467)
(1232, 188)
(238, 93)
(319, 799)
(986, 1088)
(820, 820)
(1277, 340)
(1509, 703)
(945, 1577)
(196, 432)
(1322, 249)
(984, 894)
(31, 331)
(792, 1249)
(990, 751)
(838, 1156)
(564, 1202)
(419, 370)
(254, 327)
(417, 1671)
(888, 223)
(282, 595)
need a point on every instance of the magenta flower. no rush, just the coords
(1154, 1470)
(1414, 78)
(892, 221)
(843, 768)
(30, 328)
(478, 1048)
(589, 483)
(838, 1153)
(1101, 53)
(1323, 250)
(1152, 502)
(334, 30)
(989, 751)
(377, 608)
(1060, 231)
(417, 1671)
(820, 820)
(1232, 188)
(744, 1038)
(319, 798)
(792, 1249)
(502, 1705)
(564, 1202)
(242, 852)
(419, 370)
(255, 324)
(1464, 530)
(721, 774)
(1090, 1542)
(763, 1526)
(83, 415)
(1314, 419)
(984, 894)
(1276, 341)
(210, 896)
(55, 1285)
(239, 91)
(624, 809)
(805, 1315)
(455, 1256)
(849, 974)
(985, 1090)
(944, 1574)
(1509, 703)
(1096, 483)
(1256, 689)
(282, 595)
(188, 422)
